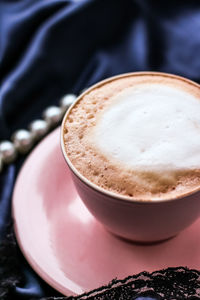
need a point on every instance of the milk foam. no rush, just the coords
(138, 136)
(151, 127)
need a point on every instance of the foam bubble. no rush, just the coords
(150, 127)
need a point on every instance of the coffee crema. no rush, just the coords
(138, 135)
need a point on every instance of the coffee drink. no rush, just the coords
(137, 135)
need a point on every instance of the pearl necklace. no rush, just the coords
(23, 140)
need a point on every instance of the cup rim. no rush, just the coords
(92, 185)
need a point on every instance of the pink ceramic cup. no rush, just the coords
(135, 220)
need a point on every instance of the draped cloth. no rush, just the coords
(52, 47)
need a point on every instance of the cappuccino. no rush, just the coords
(138, 135)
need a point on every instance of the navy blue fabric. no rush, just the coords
(50, 48)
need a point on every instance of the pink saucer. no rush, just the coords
(63, 242)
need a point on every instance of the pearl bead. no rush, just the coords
(83, 90)
(8, 152)
(66, 101)
(53, 115)
(23, 140)
(38, 129)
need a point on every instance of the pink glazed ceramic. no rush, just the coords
(140, 221)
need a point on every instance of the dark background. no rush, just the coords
(49, 48)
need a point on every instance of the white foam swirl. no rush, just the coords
(151, 126)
